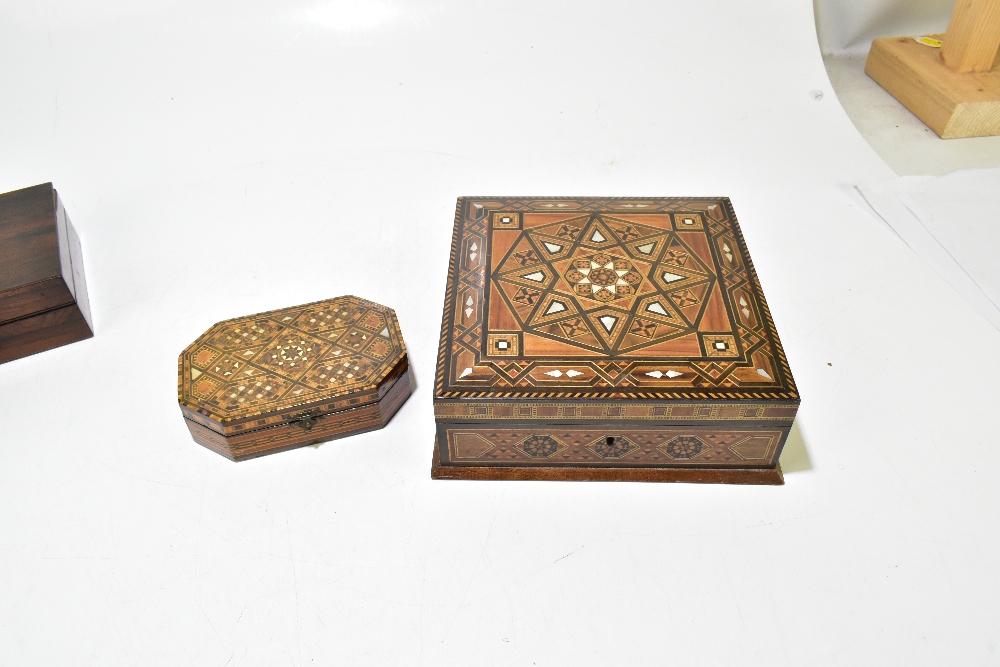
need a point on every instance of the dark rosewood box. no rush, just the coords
(607, 339)
(43, 295)
(298, 376)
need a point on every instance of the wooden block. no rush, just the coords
(298, 376)
(43, 293)
(953, 104)
(599, 338)
(973, 38)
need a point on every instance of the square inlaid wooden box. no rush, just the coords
(607, 339)
(298, 376)
(43, 295)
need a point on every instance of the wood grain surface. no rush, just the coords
(29, 246)
(43, 299)
(972, 42)
(45, 331)
(951, 103)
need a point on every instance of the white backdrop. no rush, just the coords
(849, 26)
(224, 158)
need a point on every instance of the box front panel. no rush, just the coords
(291, 434)
(609, 445)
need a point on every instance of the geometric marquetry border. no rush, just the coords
(463, 372)
(668, 446)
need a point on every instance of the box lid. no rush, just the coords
(313, 359)
(605, 300)
(35, 266)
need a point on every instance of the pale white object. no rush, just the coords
(659, 374)
(656, 307)
(555, 307)
(848, 26)
(348, 16)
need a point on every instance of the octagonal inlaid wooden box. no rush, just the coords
(607, 339)
(298, 376)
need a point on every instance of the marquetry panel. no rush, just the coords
(263, 364)
(606, 298)
(612, 445)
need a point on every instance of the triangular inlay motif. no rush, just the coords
(555, 307)
(657, 307)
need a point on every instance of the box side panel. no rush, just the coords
(321, 407)
(73, 272)
(38, 333)
(290, 435)
(611, 444)
(570, 411)
(37, 297)
(770, 330)
(208, 438)
(769, 476)
(445, 343)
(29, 248)
(62, 234)
(55, 276)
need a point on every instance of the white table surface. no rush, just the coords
(220, 159)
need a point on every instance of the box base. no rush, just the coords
(42, 332)
(197, 432)
(953, 104)
(766, 476)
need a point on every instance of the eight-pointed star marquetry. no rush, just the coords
(605, 284)
(604, 298)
